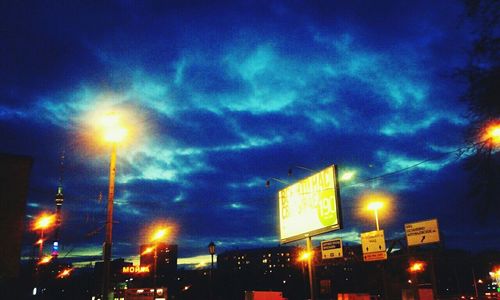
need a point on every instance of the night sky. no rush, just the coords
(219, 97)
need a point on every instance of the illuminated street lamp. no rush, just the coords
(415, 268)
(157, 235)
(347, 175)
(42, 223)
(44, 260)
(375, 206)
(65, 273)
(211, 250)
(114, 133)
(307, 256)
(491, 134)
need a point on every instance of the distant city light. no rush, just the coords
(45, 260)
(65, 273)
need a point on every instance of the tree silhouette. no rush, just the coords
(482, 74)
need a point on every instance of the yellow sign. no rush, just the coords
(310, 206)
(424, 232)
(331, 249)
(373, 245)
(135, 269)
(373, 241)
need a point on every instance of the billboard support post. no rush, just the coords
(310, 267)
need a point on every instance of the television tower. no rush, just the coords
(59, 201)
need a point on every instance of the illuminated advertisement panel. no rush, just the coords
(310, 206)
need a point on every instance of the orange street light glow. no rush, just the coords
(45, 260)
(148, 250)
(39, 242)
(491, 133)
(113, 129)
(305, 255)
(64, 273)
(417, 267)
(44, 221)
(159, 234)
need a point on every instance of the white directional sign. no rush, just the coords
(423, 232)
(373, 244)
(331, 249)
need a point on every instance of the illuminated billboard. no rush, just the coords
(310, 206)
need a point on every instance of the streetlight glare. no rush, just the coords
(376, 205)
(305, 255)
(491, 133)
(114, 131)
(44, 221)
(417, 267)
(347, 175)
(64, 273)
(45, 260)
(148, 250)
(160, 233)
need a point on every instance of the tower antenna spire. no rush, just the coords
(59, 199)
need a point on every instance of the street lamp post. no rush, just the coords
(109, 223)
(155, 266)
(114, 133)
(160, 233)
(375, 206)
(310, 266)
(211, 250)
(415, 268)
(41, 223)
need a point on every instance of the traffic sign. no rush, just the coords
(331, 249)
(381, 255)
(423, 232)
(373, 241)
(373, 245)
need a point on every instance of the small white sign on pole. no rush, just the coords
(423, 232)
(331, 249)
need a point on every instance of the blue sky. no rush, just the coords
(222, 95)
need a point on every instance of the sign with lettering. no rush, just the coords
(135, 269)
(423, 232)
(331, 249)
(373, 245)
(310, 206)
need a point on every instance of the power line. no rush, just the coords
(460, 151)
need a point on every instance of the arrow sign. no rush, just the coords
(373, 241)
(423, 232)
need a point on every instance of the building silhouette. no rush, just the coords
(166, 261)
